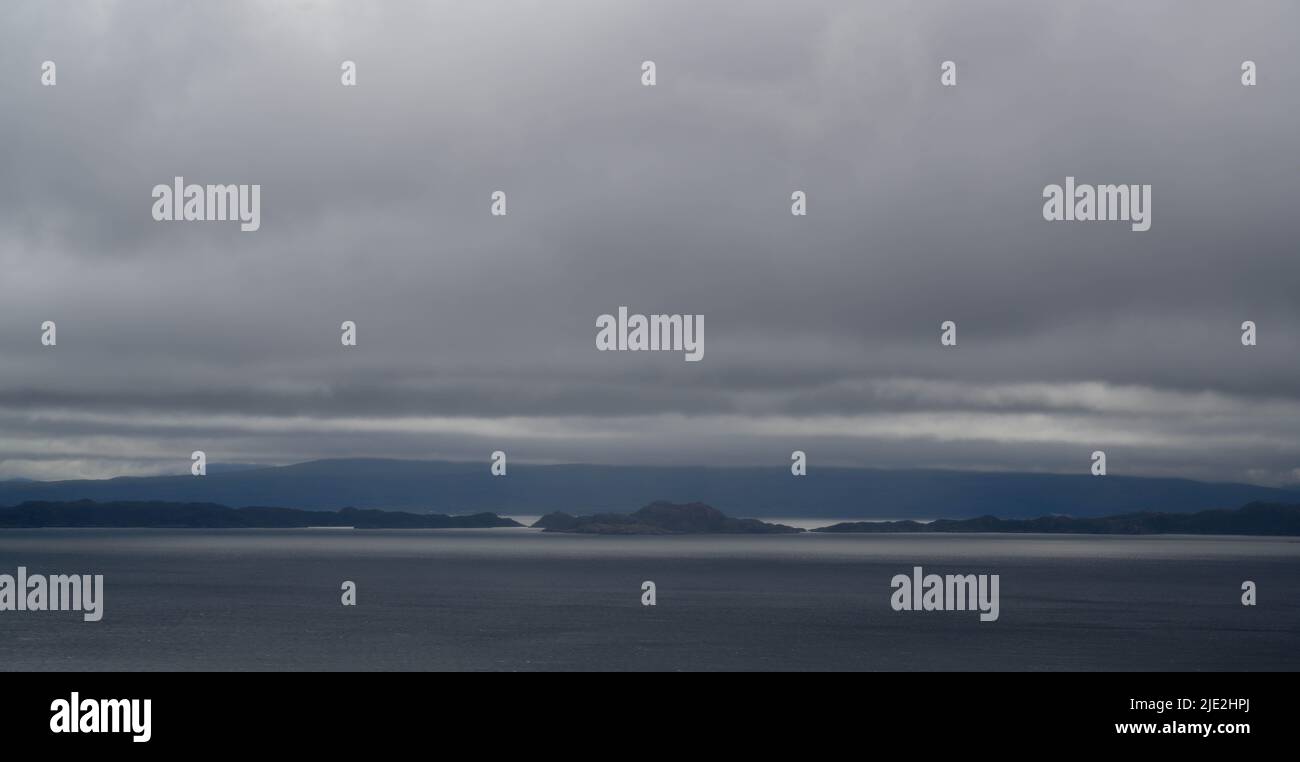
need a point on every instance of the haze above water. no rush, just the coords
(522, 599)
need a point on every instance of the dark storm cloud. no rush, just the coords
(821, 332)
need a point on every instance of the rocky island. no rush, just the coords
(661, 518)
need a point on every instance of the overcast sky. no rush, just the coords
(477, 333)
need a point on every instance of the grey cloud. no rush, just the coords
(924, 207)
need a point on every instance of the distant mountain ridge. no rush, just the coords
(457, 488)
(658, 518)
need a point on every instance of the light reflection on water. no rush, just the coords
(526, 542)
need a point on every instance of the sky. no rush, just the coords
(822, 332)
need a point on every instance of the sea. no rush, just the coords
(523, 599)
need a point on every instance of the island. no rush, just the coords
(661, 517)
(1251, 519)
(165, 515)
(657, 518)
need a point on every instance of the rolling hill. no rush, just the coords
(458, 488)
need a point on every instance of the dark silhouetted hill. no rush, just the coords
(85, 513)
(446, 487)
(661, 518)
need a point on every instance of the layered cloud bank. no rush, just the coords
(477, 333)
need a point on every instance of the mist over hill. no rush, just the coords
(454, 487)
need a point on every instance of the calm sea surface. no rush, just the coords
(520, 599)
